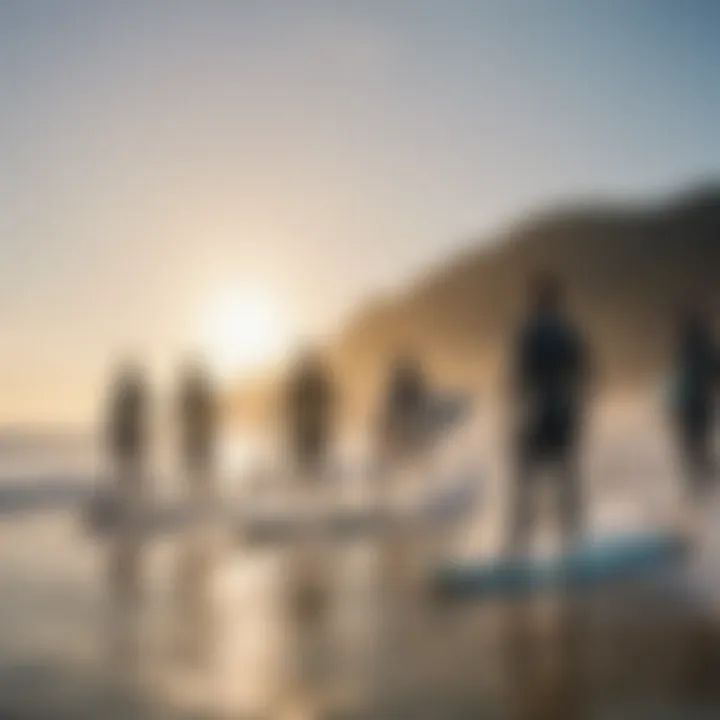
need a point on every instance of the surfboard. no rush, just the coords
(597, 560)
(448, 505)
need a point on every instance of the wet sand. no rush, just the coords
(198, 627)
(324, 632)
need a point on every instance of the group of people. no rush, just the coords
(309, 412)
(551, 378)
(130, 420)
(551, 382)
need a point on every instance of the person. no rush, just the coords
(402, 425)
(697, 371)
(550, 379)
(198, 420)
(127, 430)
(127, 437)
(309, 413)
(197, 415)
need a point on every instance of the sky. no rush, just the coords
(299, 156)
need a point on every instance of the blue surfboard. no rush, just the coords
(595, 561)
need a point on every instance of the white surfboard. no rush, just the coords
(106, 517)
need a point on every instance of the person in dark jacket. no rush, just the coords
(550, 380)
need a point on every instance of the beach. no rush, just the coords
(199, 625)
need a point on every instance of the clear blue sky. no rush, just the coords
(153, 152)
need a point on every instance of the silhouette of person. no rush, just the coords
(309, 413)
(697, 375)
(198, 425)
(551, 372)
(197, 420)
(402, 426)
(128, 445)
(127, 430)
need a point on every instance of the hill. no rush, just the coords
(626, 269)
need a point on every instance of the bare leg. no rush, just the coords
(570, 499)
(694, 433)
(522, 506)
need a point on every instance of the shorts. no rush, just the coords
(548, 434)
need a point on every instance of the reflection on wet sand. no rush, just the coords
(125, 588)
(326, 629)
(542, 660)
(126, 567)
(194, 601)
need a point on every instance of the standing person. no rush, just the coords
(697, 375)
(197, 413)
(403, 424)
(551, 373)
(127, 432)
(128, 445)
(198, 428)
(309, 413)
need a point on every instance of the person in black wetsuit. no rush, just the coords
(403, 423)
(551, 372)
(198, 426)
(309, 413)
(697, 376)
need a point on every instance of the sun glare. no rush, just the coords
(242, 330)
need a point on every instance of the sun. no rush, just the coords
(242, 330)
